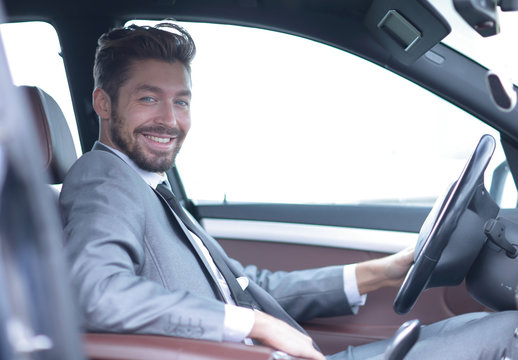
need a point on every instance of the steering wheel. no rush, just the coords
(440, 224)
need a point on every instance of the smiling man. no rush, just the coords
(140, 264)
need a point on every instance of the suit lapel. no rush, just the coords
(194, 245)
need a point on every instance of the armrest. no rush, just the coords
(139, 347)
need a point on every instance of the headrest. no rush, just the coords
(56, 140)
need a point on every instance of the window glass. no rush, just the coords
(278, 118)
(34, 56)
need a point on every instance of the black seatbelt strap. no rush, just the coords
(241, 297)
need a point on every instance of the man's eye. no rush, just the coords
(147, 99)
(182, 103)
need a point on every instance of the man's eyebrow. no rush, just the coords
(150, 88)
(185, 93)
(159, 90)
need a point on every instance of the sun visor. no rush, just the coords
(407, 29)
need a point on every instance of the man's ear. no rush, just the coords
(102, 104)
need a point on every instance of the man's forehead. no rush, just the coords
(158, 76)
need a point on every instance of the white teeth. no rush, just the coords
(158, 139)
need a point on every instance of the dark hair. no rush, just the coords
(120, 47)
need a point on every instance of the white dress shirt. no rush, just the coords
(238, 321)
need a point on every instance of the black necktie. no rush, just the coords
(241, 297)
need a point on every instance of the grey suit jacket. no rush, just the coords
(133, 270)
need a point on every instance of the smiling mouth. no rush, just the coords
(160, 140)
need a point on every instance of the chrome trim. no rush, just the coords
(316, 235)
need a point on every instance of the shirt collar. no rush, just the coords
(151, 178)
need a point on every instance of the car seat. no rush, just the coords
(57, 145)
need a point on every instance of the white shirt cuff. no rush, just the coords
(238, 323)
(351, 288)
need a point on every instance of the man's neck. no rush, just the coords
(152, 178)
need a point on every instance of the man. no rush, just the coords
(140, 264)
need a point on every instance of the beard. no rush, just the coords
(153, 162)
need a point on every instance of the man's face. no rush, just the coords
(152, 115)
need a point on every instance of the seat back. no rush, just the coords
(56, 140)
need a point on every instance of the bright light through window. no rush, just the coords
(278, 118)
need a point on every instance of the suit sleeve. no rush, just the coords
(304, 294)
(104, 231)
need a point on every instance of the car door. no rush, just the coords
(303, 155)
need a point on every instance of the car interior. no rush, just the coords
(466, 237)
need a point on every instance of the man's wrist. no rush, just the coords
(370, 276)
(351, 290)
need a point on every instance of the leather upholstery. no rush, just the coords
(57, 146)
(137, 347)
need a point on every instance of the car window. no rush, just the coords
(34, 56)
(278, 118)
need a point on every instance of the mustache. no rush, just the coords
(160, 130)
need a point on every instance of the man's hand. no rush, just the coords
(279, 335)
(383, 272)
(397, 265)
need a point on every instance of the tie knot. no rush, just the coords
(163, 189)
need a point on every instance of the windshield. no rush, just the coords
(498, 53)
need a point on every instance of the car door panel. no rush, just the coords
(273, 245)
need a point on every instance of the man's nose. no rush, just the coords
(168, 114)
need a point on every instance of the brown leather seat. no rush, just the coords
(57, 145)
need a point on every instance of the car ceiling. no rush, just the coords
(339, 23)
(319, 20)
(61, 7)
